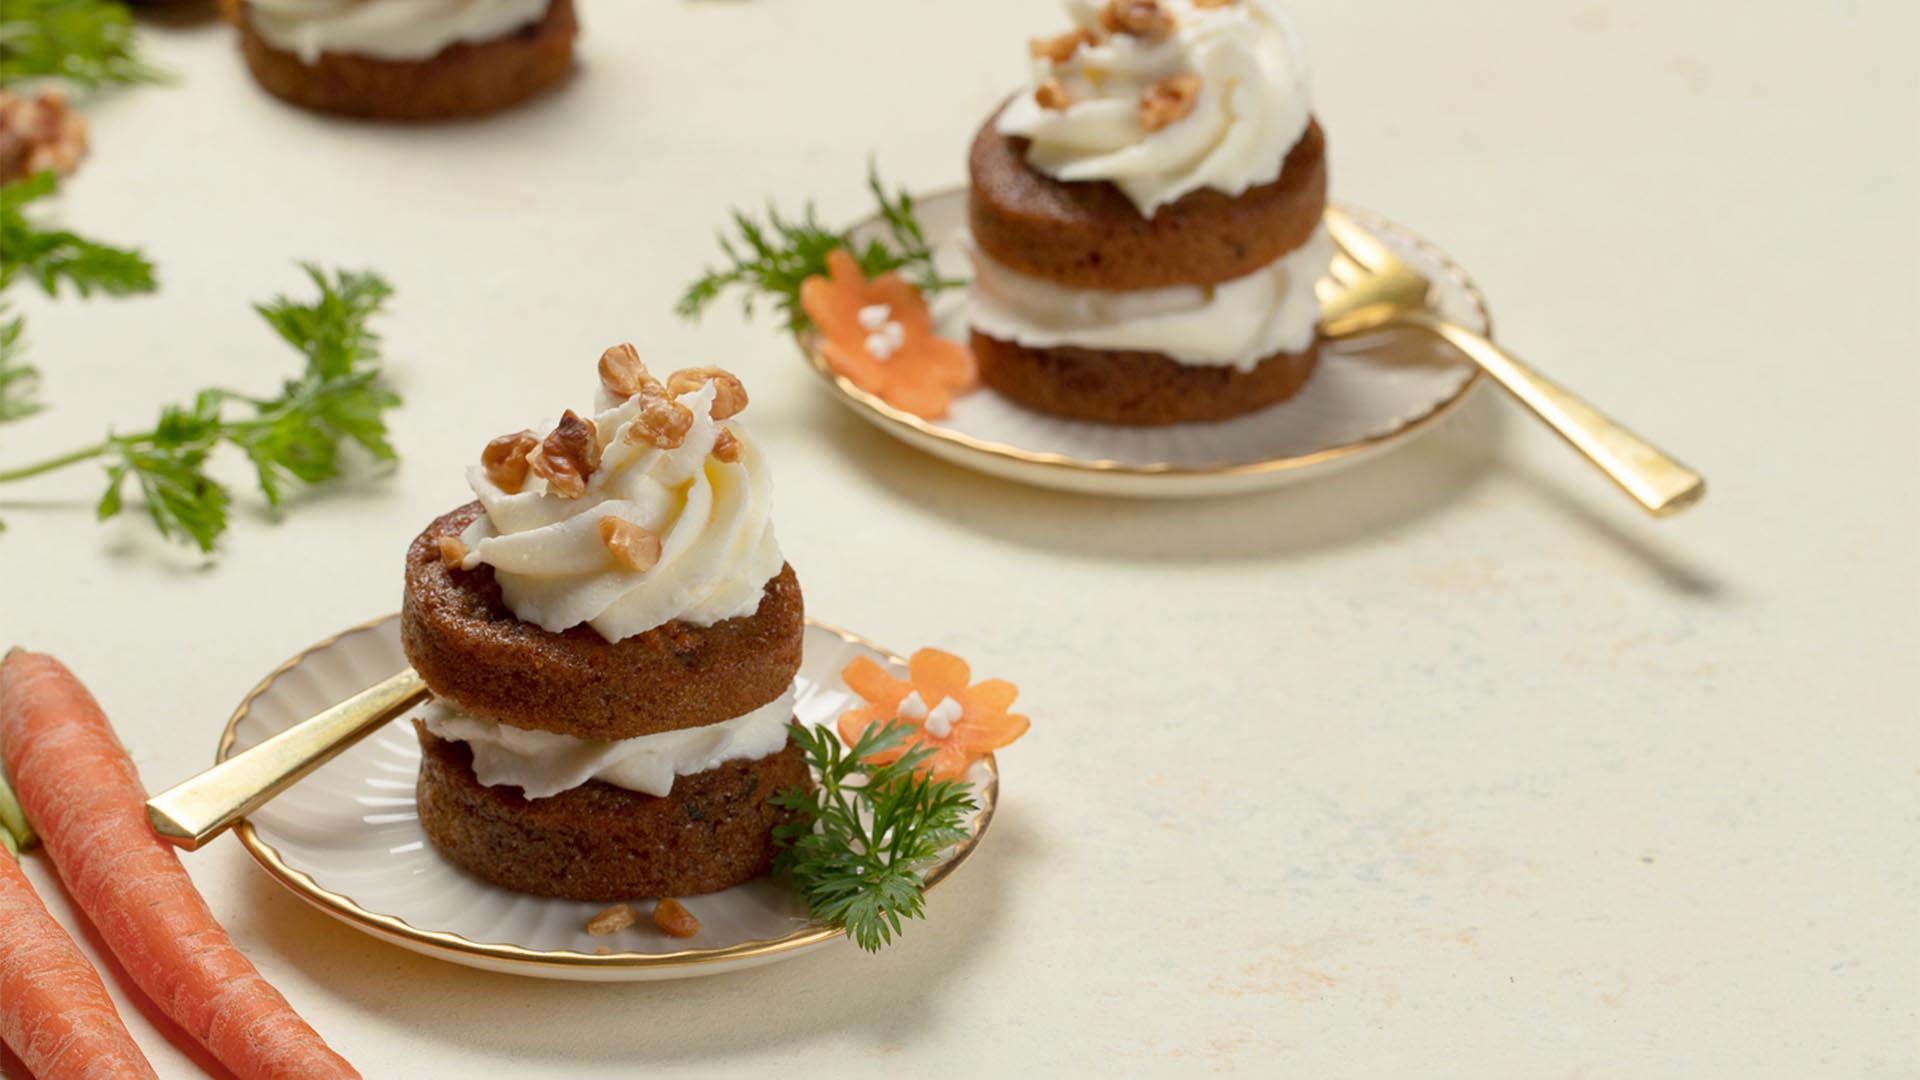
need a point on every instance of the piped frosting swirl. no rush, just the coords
(1195, 95)
(658, 466)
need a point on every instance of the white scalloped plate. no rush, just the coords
(1368, 397)
(348, 841)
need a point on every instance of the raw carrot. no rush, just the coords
(58, 1018)
(85, 800)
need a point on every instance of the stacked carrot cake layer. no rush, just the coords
(611, 635)
(1145, 218)
(406, 59)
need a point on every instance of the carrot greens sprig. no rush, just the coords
(770, 260)
(85, 42)
(18, 379)
(50, 256)
(291, 437)
(863, 839)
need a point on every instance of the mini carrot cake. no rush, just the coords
(1145, 218)
(611, 636)
(405, 59)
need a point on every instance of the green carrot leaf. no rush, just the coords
(86, 42)
(861, 841)
(48, 256)
(18, 379)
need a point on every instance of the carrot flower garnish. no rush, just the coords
(960, 720)
(879, 335)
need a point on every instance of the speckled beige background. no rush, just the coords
(1453, 765)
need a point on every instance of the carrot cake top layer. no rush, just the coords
(1164, 97)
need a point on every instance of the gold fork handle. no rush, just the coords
(198, 809)
(1653, 478)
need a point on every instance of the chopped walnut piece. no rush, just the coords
(662, 422)
(1168, 100)
(617, 917)
(726, 446)
(622, 373)
(1059, 48)
(673, 917)
(729, 396)
(39, 133)
(453, 551)
(634, 547)
(569, 456)
(505, 460)
(1140, 18)
(1051, 95)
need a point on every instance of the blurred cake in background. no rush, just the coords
(1145, 217)
(405, 59)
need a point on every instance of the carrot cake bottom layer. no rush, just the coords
(1136, 388)
(465, 79)
(606, 843)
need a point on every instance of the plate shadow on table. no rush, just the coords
(131, 535)
(1365, 500)
(1603, 511)
(832, 993)
(1373, 499)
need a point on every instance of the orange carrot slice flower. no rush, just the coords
(879, 336)
(961, 723)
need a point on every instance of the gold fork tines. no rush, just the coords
(1370, 288)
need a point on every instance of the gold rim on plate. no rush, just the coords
(899, 418)
(454, 945)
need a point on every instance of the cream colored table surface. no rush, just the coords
(1450, 765)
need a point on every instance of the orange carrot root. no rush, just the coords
(81, 792)
(58, 1018)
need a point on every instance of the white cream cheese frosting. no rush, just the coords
(386, 29)
(1251, 108)
(713, 518)
(544, 763)
(1235, 323)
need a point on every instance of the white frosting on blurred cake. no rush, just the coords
(386, 29)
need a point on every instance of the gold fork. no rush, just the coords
(1370, 288)
(200, 808)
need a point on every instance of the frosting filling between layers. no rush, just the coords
(1235, 323)
(545, 763)
(387, 29)
(713, 518)
(1252, 104)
